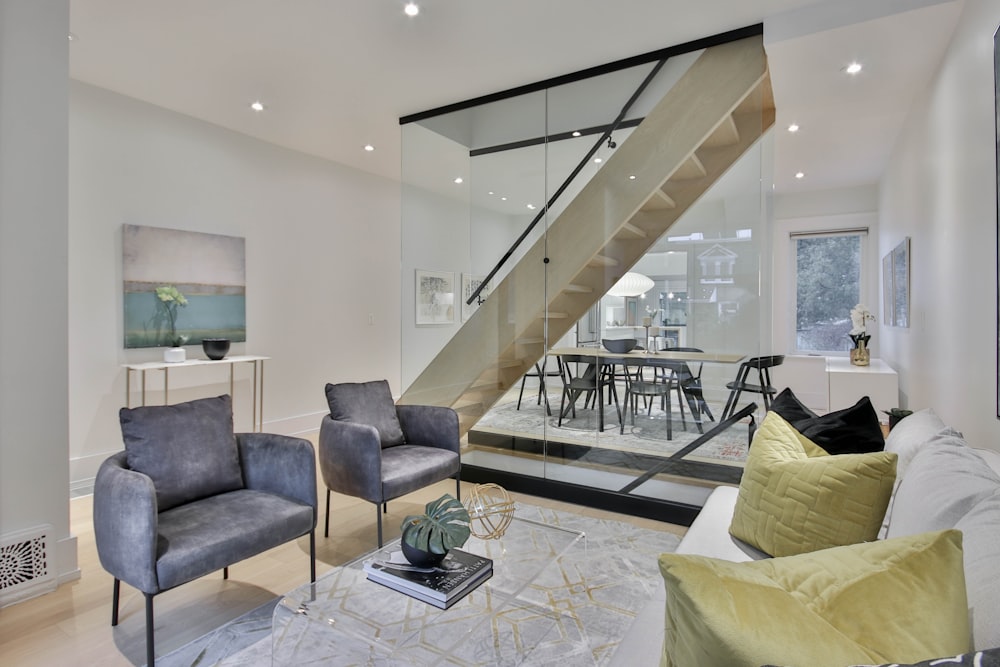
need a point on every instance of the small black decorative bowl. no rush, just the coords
(215, 348)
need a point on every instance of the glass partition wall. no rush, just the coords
(522, 213)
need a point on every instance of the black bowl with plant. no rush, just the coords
(428, 537)
(895, 414)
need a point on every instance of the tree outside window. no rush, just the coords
(828, 283)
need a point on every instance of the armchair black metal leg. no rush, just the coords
(312, 556)
(378, 516)
(115, 591)
(225, 572)
(458, 486)
(326, 522)
(150, 647)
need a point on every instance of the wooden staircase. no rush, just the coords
(716, 111)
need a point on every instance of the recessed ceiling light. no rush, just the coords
(490, 193)
(458, 180)
(369, 148)
(853, 68)
(800, 174)
(411, 9)
(257, 105)
(576, 133)
(531, 207)
(793, 127)
(598, 160)
(503, 199)
(631, 177)
(72, 37)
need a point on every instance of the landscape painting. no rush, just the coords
(435, 297)
(181, 287)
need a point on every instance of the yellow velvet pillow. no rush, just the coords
(897, 600)
(795, 498)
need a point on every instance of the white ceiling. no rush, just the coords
(337, 74)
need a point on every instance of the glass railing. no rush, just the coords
(567, 183)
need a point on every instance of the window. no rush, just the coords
(829, 281)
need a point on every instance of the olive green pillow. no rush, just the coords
(795, 498)
(896, 600)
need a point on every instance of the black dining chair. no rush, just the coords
(637, 384)
(688, 382)
(541, 372)
(590, 381)
(762, 366)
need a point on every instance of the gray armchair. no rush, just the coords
(371, 448)
(188, 497)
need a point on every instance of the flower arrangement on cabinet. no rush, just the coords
(860, 317)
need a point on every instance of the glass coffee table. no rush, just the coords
(344, 619)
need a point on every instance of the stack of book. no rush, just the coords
(458, 575)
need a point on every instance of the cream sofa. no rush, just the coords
(942, 482)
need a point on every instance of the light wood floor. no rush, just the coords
(72, 626)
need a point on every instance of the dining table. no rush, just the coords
(604, 362)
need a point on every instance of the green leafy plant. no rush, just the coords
(443, 526)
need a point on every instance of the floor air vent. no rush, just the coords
(26, 567)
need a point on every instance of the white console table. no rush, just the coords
(230, 362)
(848, 383)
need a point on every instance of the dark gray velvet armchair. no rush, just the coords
(188, 497)
(373, 449)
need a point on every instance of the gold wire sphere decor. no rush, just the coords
(490, 510)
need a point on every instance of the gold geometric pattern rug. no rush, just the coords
(598, 591)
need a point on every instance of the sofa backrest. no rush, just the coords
(945, 483)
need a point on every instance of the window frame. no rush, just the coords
(865, 282)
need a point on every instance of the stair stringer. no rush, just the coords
(713, 114)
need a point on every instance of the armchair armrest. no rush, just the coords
(125, 524)
(279, 464)
(429, 425)
(350, 458)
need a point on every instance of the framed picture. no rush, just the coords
(435, 297)
(887, 289)
(180, 287)
(896, 285)
(470, 284)
(901, 284)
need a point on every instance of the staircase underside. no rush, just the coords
(717, 110)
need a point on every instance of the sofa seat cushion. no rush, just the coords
(892, 600)
(187, 449)
(407, 468)
(367, 403)
(210, 534)
(708, 534)
(795, 498)
(852, 430)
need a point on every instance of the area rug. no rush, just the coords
(647, 435)
(618, 556)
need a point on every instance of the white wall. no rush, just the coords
(34, 65)
(323, 252)
(940, 190)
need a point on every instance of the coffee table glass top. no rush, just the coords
(345, 619)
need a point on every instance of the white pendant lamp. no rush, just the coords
(631, 284)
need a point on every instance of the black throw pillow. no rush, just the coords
(853, 430)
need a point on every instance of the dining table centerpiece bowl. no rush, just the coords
(428, 537)
(619, 345)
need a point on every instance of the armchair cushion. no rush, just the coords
(366, 403)
(187, 449)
